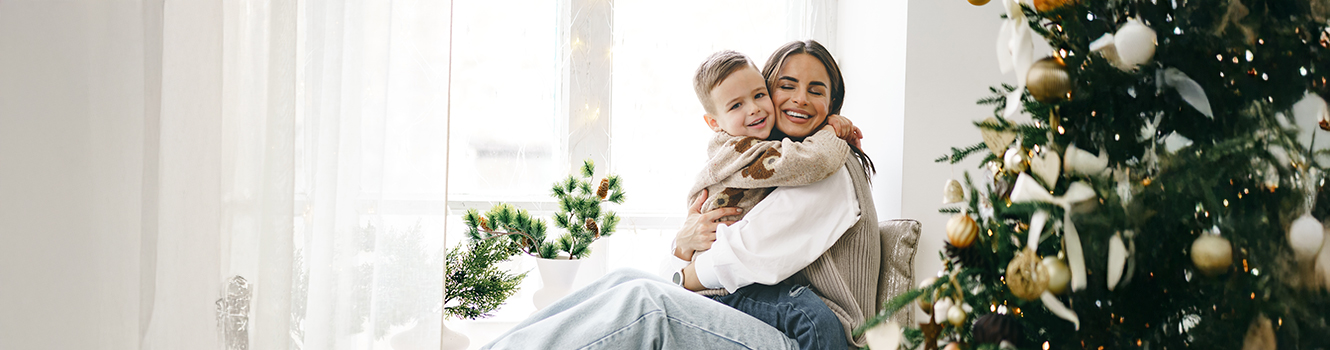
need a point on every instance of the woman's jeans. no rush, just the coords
(630, 309)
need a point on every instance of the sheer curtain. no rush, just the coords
(236, 174)
(296, 139)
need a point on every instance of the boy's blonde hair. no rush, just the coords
(714, 70)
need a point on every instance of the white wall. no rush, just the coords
(870, 49)
(71, 162)
(951, 62)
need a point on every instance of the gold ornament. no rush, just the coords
(1048, 80)
(1212, 254)
(1015, 160)
(1260, 335)
(997, 141)
(1049, 5)
(978, 2)
(1026, 277)
(956, 316)
(961, 231)
(1047, 166)
(953, 192)
(1059, 276)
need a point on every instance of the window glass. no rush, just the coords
(505, 138)
(659, 138)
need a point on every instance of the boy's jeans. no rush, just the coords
(630, 309)
(794, 310)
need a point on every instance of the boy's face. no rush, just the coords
(741, 106)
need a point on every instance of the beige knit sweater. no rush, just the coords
(847, 275)
(742, 171)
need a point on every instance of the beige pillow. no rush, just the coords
(900, 238)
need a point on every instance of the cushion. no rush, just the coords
(900, 238)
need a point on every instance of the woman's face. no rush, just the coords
(801, 94)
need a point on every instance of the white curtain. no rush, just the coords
(153, 151)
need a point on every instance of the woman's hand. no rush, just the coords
(845, 129)
(699, 230)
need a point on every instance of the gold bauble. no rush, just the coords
(1260, 335)
(1048, 80)
(1026, 276)
(1212, 254)
(1059, 275)
(956, 316)
(978, 2)
(1049, 5)
(961, 231)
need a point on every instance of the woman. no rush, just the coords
(649, 312)
(806, 86)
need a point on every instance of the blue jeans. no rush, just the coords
(794, 310)
(630, 309)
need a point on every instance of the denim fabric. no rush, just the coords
(630, 309)
(794, 310)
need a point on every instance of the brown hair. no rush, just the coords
(836, 85)
(715, 69)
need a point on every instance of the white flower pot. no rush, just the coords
(558, 276)
(452, 340)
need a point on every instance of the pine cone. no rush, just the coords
(485, 224)
(591, 225)
(604, 189)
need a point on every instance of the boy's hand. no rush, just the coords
(699, 230)
(845, 129)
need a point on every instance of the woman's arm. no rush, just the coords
(785, 232)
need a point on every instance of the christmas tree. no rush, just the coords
(1149, 185)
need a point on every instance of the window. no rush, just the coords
(530, 100)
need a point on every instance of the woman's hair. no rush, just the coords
(836, 85)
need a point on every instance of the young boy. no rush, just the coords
(743, 169)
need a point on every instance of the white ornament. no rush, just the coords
(1104, 46)
(1079, 161)
(1305, 236)
(1014, 160)
(952, 192)
(884, 336)
(1047, 167)
(1117, 258)
(940, 310)
(1135, 43)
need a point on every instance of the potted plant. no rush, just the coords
(475, 286)
(580, 216)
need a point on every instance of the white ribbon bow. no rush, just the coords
(1015, 51)
(1188, 88)
(1029, 190)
